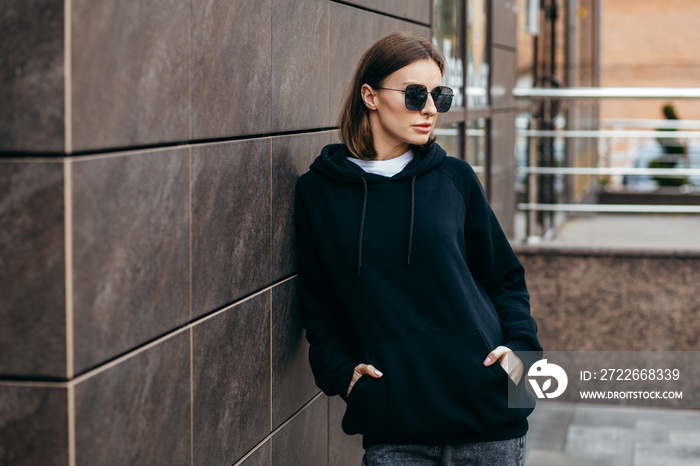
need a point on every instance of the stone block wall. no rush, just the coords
(613, 299)
(148, 156)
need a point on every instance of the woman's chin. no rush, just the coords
(419, 140)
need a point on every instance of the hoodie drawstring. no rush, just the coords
(413, 213)
(362, 223)
(362, 228)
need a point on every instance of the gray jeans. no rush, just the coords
(500, 452)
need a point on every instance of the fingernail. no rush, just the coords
(487, 361)
(378, 373)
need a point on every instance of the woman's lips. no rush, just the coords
(423, 127)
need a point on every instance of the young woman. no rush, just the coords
(410, 293)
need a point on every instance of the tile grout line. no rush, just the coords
(169, 146)
(125, 357)
(379, 12)
(68, 184)
(68, 260)
(67, 78)
(271, 219)
(189, 72)
(153, 343)
(44, 384)
(96, 370)
(71, 425)
(190, 190)
(191, 397)
(277, 430)
(270, 310)
(129, 355)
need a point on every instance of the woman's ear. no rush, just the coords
(369, 97)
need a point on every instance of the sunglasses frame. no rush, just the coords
(421, 92)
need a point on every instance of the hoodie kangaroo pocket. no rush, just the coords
(434, 387)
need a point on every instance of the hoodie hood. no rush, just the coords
(332, 163)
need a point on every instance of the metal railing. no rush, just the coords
(609, 93)
(612, 162)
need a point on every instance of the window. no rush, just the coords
(447, 34)
(448, 136)
(477, 147)
(477, 54)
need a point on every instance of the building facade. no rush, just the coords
(148, 157)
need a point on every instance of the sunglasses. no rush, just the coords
(417, 96)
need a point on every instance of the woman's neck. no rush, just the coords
(389, 151)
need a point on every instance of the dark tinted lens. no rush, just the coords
(416, 95)
(442, 95)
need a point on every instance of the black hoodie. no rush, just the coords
(414, 275)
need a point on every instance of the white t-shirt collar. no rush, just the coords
(386, 168)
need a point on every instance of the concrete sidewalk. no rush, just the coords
(570, 434)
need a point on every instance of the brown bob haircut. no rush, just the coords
(390, 53)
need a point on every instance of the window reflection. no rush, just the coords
(448, 138)
(448, 23)
(477, 54)
(476, 153)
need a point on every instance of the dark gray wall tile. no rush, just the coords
(502, 143)
(32, 76)
(130, 251)
(291, 157)
(335, 136)
(305, 439)
(130, 72)
(260, 457)
(383, 25)
(416, 10)
(300, 87)
(137, 412)
(505, 17)
(231, 68)
(230, 222)
(231, 370)
(418, 29)
(502, 78)
(33, 426)
(346, 22)
(343, 449)
(292, 379)
(32, 269)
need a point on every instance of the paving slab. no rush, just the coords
(573, 434)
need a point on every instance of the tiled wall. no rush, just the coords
(148, 156)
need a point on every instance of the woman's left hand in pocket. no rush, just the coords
(510, 362)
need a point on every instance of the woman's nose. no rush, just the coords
(430, 108)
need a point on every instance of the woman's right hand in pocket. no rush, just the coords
(363, 369)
